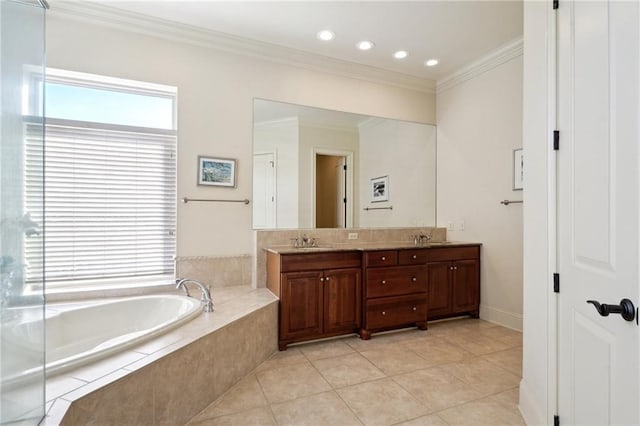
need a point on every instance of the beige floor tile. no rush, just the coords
(283, 358)
(482, 412)
(326, 349)
(512, 341)
(396, 360)
(436, 388)
(245, 395)
(483, 376)
(257, 417)
(477, 344)
(346, 370)
(499, 332)
(438, 351)
(382, 402)
(321, 409)
(431, 420)
(510, 360)
(286, 383)
(510, 398)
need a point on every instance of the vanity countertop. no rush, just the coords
(369, 246)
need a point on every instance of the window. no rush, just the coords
(110, 181)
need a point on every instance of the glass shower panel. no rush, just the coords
(22, 375)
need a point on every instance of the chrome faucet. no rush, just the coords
(206, 292)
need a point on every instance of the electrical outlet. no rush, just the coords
(451, 226)
(353, 235)
(461, 225)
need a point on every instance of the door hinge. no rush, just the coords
(556, 420)
(556, 3)
(556, 140)
(344, 200)
(344, 167)
(556, 283)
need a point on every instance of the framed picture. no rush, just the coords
(518, 169)
(380, 189)
(214, 171)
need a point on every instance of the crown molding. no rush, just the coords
(94, 13)
(504, 53)
(277, 124)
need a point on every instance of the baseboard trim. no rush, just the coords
(499, 316)
(532, 412)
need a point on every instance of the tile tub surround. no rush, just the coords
(169, 379)
(215, 271)
(448, 375)
(333, 238)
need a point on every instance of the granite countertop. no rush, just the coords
(369, 246)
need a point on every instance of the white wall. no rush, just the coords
(215, 93)
(281, 138)
(328, 140)
(537, 394)
(479, 126)
(404, 152)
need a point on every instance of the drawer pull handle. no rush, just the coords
(383, 282)
(383, 258)
(414, 279)
(414, 257)
(414, 309)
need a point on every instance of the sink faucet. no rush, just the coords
(206, 292)
(425, 238)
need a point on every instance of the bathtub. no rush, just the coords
(79, 333)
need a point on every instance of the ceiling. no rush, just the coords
(454, 32)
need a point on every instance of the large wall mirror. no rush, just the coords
(317, 168)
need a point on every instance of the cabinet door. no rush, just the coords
(301, 303)
(466, 285)
(342, 300)
(439, 288)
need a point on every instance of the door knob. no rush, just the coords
(625, 308)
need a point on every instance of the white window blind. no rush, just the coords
(110, 202)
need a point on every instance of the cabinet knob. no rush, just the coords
(326, 279)
(414, 279)
(321, 279)
(383, 282)
(384, 313)
(383, 258)
(414, 257)
(455, 267)
(451, 267)
(414, 309)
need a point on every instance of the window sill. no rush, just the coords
(113, 288)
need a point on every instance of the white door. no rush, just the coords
(340, 172)
(598, 215)
(264, 195)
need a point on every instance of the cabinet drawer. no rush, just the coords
(314, 261)
(453, 253)
(394, 311)
(381, 258)
(395, 281)
(413, 256)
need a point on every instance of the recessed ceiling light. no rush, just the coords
(400, 54)
(365, 45)
(326, 35)
(431, 62)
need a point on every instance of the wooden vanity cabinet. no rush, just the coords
(453, 276)
(395, 290)
(320, 294)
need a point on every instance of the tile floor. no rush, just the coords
(459, 372)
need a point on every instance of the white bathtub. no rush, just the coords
(78, 333)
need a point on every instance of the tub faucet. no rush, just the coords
(206, 292)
